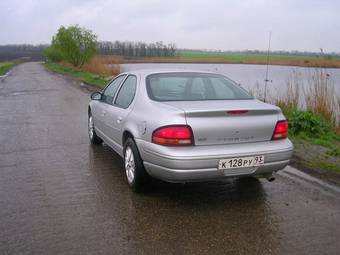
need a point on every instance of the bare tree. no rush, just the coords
(136, 49)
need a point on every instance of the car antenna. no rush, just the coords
(266, 80)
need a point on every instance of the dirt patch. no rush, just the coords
(316, 161)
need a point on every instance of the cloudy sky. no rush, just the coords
(209, 24)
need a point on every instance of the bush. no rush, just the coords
(53, 54)
(308, 123)
(73, 44)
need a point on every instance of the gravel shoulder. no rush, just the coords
(317, 161)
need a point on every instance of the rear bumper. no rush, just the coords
(199, 163)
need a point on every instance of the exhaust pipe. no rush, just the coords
(270, 177)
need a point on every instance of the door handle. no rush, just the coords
(119, 119)
(103, 113)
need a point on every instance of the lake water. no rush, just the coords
(252, 77)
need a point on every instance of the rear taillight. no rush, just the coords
(173, 135)
(281, 130)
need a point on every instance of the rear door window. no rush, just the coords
(111, 89)
(127, 92)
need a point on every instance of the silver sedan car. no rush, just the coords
(185, 126)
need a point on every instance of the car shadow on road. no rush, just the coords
(235, 191)
(109, 166)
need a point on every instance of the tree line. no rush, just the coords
(130, 49)
(119, 48)
(77, 45)
(17, 51)
(136, 49)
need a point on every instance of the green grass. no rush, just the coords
(5, 67)
(318, 154)
(258, 58)
(331, 142)
(326, 165)
(238, 57)
(86, 77)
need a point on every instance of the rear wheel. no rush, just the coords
(94, 139)
(136, 175)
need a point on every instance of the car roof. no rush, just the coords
(145, 72)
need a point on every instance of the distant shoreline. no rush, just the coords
(177, 60)
(199, 57)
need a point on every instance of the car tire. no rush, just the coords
(135, 173)
(94, 139)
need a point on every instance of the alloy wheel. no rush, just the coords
(91, 127)
(129, 165)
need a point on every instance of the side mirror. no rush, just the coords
(96, 95)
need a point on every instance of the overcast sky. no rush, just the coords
(211, 24)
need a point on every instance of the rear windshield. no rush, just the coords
(193, 86)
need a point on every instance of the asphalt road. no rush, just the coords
(60, 195)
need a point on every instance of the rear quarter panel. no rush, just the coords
(148, 115)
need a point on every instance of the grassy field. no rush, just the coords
(86, 77)
(260, 58)
(5, 67)
(242, 58)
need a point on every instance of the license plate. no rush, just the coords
(241, 162)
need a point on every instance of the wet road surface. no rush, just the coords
(60, 195)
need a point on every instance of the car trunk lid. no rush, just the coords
(229, 121)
